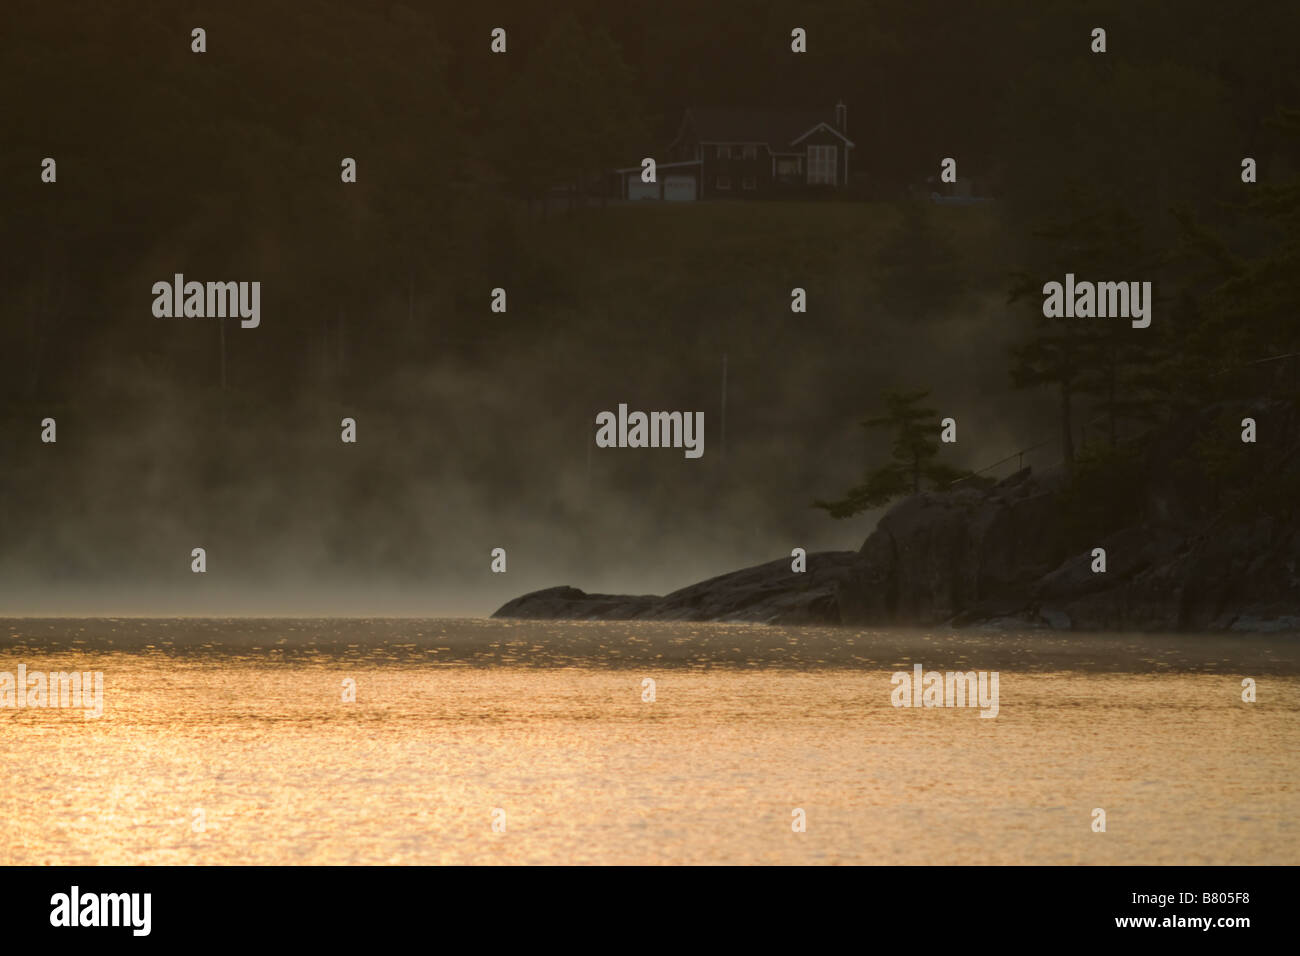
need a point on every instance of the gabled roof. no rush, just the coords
(828, 127)
(780, 130)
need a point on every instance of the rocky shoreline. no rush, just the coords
(1000, 557)
(768, 593)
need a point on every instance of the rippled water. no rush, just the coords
(245, 720)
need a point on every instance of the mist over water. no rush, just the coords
(475, 428)
(476, 431)
(403, 522)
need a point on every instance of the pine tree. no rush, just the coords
(1249, 313)
(1099, 358)
(914, 450)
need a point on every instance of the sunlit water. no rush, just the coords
(245, 721)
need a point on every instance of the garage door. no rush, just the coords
(679, 188)
(639, 190)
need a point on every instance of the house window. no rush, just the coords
(749, 182)
(822, 163)
(723, 182)
(749, 152)
(737, 152)
(787, 167)
(722, 152)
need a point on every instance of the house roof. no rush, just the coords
(780, 130)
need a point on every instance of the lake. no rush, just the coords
(230, 742)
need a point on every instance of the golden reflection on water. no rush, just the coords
(286, 772)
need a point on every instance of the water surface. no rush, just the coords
(245, 721)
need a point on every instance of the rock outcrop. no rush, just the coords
(1003, 556)
(768, 593)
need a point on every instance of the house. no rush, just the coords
(748, 153)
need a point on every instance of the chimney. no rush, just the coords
(842, 117)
